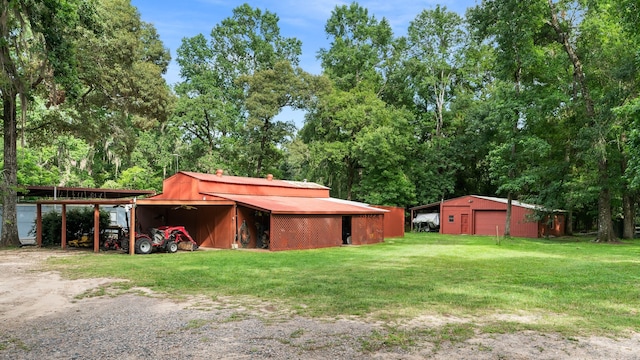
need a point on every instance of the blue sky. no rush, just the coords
(176, 20)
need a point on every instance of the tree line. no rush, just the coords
(534, 100)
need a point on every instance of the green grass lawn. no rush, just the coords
(572, 286)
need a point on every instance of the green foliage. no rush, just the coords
(360, 47)
(382, 155)
(79, 221)
(36, 168)
(139, 178)
(437, 44)
(268, 92)
(357, 146)
(233, 88)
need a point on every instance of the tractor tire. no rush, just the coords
(143, 246)
(124, 245)
(172, 247)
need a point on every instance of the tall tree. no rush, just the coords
(120, 69)
(435, 65)
(358, 145)
(37, 48)
(569, 72)
(515, 28)
(268, 92)
(119, 62)
(360, 48)
(629, 110)
(437, 41)
(245, 45)
(600, 91)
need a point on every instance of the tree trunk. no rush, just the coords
(605, 225)
(440, 91)
(628, 198)
(517, 77)
(629, 213)
(263, 145)
(507, 224)
(569, 223)
(10, 180)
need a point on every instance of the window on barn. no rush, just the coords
(450, 218)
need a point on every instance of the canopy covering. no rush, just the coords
(428, 221)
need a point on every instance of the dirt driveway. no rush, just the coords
(42, 317)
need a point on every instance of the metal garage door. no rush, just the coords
(485, 222)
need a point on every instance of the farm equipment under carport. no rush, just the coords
(163, 238)
(427, 222)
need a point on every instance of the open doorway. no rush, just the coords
(262, 229)
(346, 230)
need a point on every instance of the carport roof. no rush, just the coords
(301, 205)
(426, 206)
(63, 192)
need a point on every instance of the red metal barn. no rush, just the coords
(483, 215)
(223, 211)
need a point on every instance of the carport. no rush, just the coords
(147, 213)
(432, 208)
(82, 196)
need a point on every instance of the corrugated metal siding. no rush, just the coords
(522, 222)
(292, 205)
(451, 220)
(367, 229)
(393, 221)
(296, 232)
(180, 187)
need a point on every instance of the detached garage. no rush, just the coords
(483, 215)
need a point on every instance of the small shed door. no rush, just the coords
(464, 224)
(486, 222)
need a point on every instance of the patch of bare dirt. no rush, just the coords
(41, 316)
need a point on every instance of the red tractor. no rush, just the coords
(169, 239)
(163, 238)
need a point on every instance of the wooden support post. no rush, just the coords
(234, 224)
(96, 228)
(39, 224)
(411, 221)
(132, 230)
(63, 236)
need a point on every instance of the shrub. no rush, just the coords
(79, 221)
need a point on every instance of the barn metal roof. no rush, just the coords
(302, 205)
(513, 202)
(227, 179)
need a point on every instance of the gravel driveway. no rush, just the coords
(42, 317)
